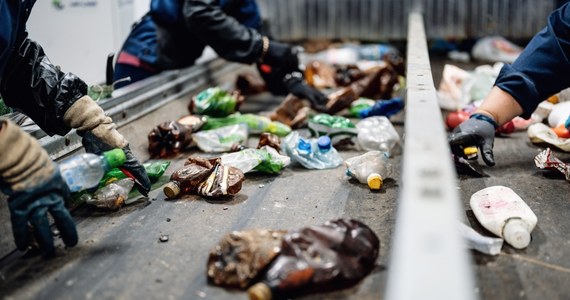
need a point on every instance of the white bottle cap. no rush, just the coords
(516, 233)
(374, 181)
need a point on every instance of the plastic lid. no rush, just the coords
(324, 143)
(259, 291)
(304, 145)
(115, 157)
(374, 181)
(516, 234)
(171, 189)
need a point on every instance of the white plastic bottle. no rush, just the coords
(369, 168)
(85, 170)
(501, 211)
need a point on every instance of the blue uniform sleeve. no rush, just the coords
(543, 68)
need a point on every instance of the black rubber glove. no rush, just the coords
(478, 131)
(32, 205)
(297, 86)
(282, 56)
(93, 145)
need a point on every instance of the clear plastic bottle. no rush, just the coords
(85, 170)
(326, 154)
(378, 133)
(308, 153)
(369, 168)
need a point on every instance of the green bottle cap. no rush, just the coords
(115, 157)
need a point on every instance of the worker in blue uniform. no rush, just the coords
(57, 102)
(539, 72)
(175, 32)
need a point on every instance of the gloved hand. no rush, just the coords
(295, 85)
(478, 131)
(34, 186)
(281, 56)
(93, 144)
(99, 135)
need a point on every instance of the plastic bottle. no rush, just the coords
(501, 211)
(256, 124)
(84, 171)
(312, 153)
(369, 168)
(386, 108)
(377, 133)
(113, 195)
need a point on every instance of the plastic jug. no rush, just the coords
(501, 211)
(85, 170)
(370, 168)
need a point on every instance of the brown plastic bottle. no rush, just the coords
(170, 138)
(319, 258)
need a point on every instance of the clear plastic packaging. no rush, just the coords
(113, 195)
(370, 168)
(85, 170)
(221, 139)
(311, 153)
(266, 160)
(378, 133)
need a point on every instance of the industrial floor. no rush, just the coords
(119, 255)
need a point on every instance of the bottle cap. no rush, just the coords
(374, 181)
(516, 233)
(304, 145)
(259, 291)
(324, 143)
(171, 189)
(115, 157)
(470, 152)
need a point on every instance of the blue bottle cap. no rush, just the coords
(324, 143)
(304, 146)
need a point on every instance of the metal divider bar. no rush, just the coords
(141, 98)
(428, 259)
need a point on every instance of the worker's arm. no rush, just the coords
(34, 187)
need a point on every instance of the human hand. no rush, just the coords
(296, 86)
(132, 165)
(478, 131)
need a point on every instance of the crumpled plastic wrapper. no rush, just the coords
(269, 139)
(216, 102)
(547, 160)
(170, 138)
(540, 133)
(242, 255)
(293, 112)
(113, 195)
(208, 177)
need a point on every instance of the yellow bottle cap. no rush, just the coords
(259, 291)
(470, 151)
(171, 189)
(374, 181)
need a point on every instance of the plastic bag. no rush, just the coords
(495, 49)
(221, 139)
(215, 102)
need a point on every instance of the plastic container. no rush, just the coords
(385, 108)
(501, 211)
(311, 153)
(370, 168)
(84, 171)
(266, 160)
(559, 114)
(255, 124)
(378, 133)
(113, 195)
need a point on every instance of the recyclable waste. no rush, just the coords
(476, 241)
(221, 139)
(85, 170)
(385, 108)
(216, 102)
(337, 128)
(154, 170)
(542, 134)
(359, 105)
(269, 139)
(113, 195)
(255, 124)
(370, 168)
(559, 114)
(288, 263)
(495, 49)
(378, 133)
(205, 177)
(311, 153)
(265, 160)
(547, 160)
(293, 112)
(501, 211)
(170, 138)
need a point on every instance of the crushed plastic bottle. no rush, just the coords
(265, 160)
(83, 171)
(359, 105)
(170, 138)
(154, 170)
(369, 168)
(311, 153)
(378, 133)
(220, 139)
(337, 128)
(113, 195)
(255, 124)
(319, 258)
(215, 102)
(385, 108)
